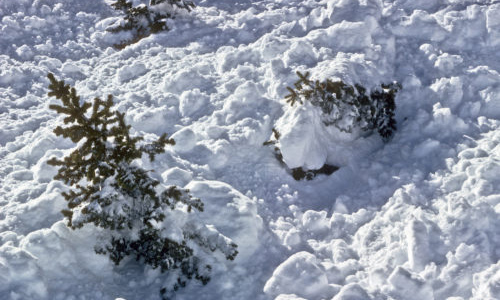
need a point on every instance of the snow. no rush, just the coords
(414, 218)
(301, 274)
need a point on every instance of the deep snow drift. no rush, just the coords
(415, 218)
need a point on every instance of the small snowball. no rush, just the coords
(12, 76)
(185, 140)
(346, 36)
(39, 147)
(490, 171)
(187, 79)
(422, 25)
(45, 10)
(482, 77)
(24, 52)
(315, 221)
(445, 123)
(70, 69)
(177, 176)
(407, 285)
(301, 274)
(43, 172)
(193, 103)
(46, 47)
(341, 252)
(232, 58)
(491, 103)
(130, 72)
(8, 236)
(300, 52)
(222, 151)
(449, 90)
(352, 291)
(246, 100)
(292, 238)
(50, 63)
(428, 49)
(447, 63)
(233, 214)
(272, 47)
(151, 119)
(21, 175)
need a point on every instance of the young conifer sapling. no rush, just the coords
(111, 191)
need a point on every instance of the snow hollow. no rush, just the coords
(416, 217)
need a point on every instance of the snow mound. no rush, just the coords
(232, 213)
(301, 274)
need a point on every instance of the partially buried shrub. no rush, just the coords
(348, 108)
(140, 217)
(144, 19)
(298, 173)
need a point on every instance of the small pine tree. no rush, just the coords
(111, 192)
(147, 19)
(346, 106)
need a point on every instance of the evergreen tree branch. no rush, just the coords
(108, 191)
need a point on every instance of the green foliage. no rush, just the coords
(147, 19)
(107, 151)
(111, 192)
(274, 141)
(346, 106)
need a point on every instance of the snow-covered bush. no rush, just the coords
(138, 215)
(346, 106)
(329, 117)
(147, 19)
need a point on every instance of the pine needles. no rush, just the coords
(346, 106)
(110, 192)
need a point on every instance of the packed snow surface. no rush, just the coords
(415, 218)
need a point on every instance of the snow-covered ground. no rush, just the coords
(415, 218)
